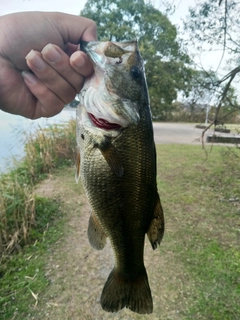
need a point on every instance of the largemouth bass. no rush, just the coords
(117, 165)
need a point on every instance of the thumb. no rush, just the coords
(73, 28)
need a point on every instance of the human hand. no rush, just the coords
(53, 71)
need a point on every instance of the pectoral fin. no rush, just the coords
(156, 228)
(112, 156)
(78, 162)
(96, 235)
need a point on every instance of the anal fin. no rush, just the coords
(96, 234)
(156, 229)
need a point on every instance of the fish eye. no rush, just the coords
(135, 72)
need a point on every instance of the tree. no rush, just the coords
(165, 62)
(216, 24)
(229, 108)
(204, 96)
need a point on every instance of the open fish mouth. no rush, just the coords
(98, 111)
(105, 108)
(92, 121)
(103, 124)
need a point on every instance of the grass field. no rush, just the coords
(201, 201)
(201, 198)
(235, 128)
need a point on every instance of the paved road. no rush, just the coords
(180, 133)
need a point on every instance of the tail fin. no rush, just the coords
(121, 291)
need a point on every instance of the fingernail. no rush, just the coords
(29, 77)
(35, 60)
(78, 59)
(51, 53)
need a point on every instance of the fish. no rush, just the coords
(117, 166)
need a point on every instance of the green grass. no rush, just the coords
(22, 278)
(216, 272)
(201, 199)
(235, 128)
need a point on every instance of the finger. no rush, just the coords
(59, 61)
(73, 28)
(70, 48)
(63, 29)
(14, 95)
(47, 104)
(50, 77)
(81, 63)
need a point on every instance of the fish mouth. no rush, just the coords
(105, 109)
(103, 124)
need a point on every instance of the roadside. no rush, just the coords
(183, 133)
(176, 133)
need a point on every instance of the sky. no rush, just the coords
(69, 6)
(75, 6)
(208, 60)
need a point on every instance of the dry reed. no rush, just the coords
(45, 149)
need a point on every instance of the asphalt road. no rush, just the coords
(176, 133)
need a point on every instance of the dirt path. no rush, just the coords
(77, 272)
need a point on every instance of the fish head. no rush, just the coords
(114, 95)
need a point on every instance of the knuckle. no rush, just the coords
(93, 25)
